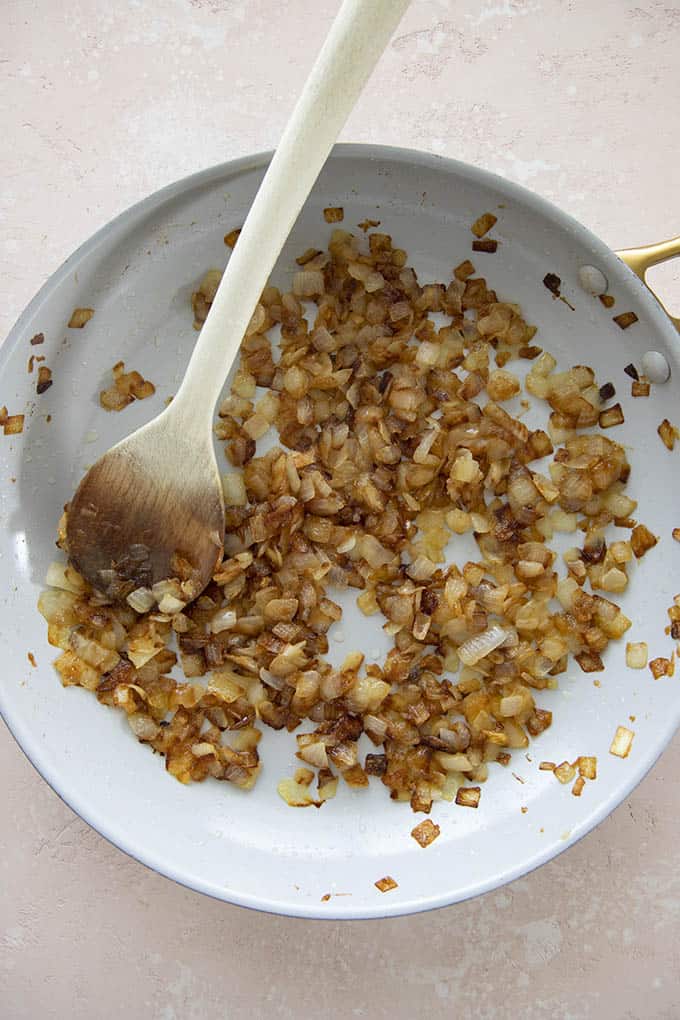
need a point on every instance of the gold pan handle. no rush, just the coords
(642, 259)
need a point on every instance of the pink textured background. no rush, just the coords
(105, 103)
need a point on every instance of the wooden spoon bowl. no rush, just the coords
(150, 509)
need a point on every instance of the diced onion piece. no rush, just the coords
(502, 385)
(61, 575)
(75, 672)
(636, 654)
(611, 416)
(334, 214)
(562, 521)
(12, 424)
(640, 388)
(327, 786)
(544, 365)
(290, 659)
(375, 727)
(613, 580)
(141, 600)
(170, 604)
(459, 521)
(427, 354)
(421, 569)
(256, 426)
(480, 523)
(642, 540)
(546, 487)
(93, 652)
(308, 283)
(625, 319)
(80, 317)
(480, 645)
(468, 796)
(223, 686)
(661, 667)
(669, 433)
(366, 695)
(280, 610)
(295, 794)
(483, 224)
(375, 554)
(426, 832)
(234, 489)
(622, 742)
(315, 754)
(587, 767)
(512, 705)
(202, 749)
(454, 762)
(466, 469)
(224, 619)
(367, 602)
(143, 726)
(619, 504)
(564, 772)
(621, 552)
(421, 454)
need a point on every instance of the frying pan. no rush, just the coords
(251, 848)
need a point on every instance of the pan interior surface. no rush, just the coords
(138, 274)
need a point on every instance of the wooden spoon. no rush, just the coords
(152, 508)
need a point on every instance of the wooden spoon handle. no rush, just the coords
(356, 40)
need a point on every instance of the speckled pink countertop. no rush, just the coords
(105, 103)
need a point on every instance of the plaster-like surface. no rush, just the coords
(103, 103)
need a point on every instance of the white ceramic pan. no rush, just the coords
(138, 273)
